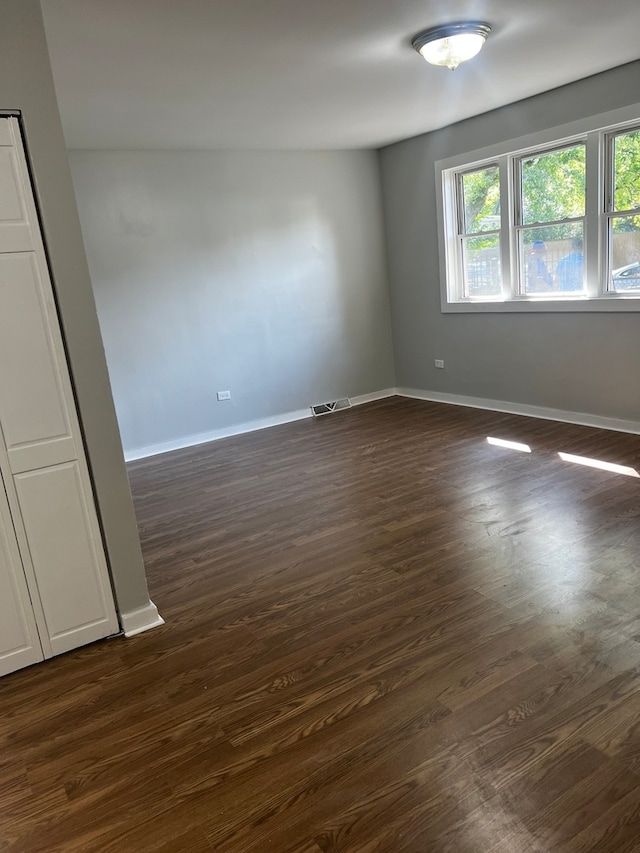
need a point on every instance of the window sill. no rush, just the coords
(560, 304)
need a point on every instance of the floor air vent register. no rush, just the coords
(328, 408)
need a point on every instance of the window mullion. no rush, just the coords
(460, 286)
(596, 228)
(449, 240)
(507, 235)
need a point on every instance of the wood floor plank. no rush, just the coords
(383, 635)
(580, 803)
(506, 759)
(617, 828)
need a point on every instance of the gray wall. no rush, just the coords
(263, 273)
(587, 363)
(26, 85)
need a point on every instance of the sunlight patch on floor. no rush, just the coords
(511, 445)
(598, 463)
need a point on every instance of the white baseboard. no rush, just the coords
(523, 409)
(214, 435)
(239, 429)
(434, 396)
(376, 395)
(139, 620)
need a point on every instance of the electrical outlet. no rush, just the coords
(224, 395)
(439, 362)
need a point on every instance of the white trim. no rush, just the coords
(558, 305)
(548, 136)
(376, 395)
(214, 435)
(592, 131)
(239, 429)
(543, 412)
(142, 619)
(548, 414)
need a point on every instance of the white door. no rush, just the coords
(19, 642)
(41, 451)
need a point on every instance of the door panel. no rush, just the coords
(19, 642)
(32, 410)
(57, 519)
(15, 233)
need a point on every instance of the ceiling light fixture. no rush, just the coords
(451, 44)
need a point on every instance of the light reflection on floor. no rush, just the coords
(567, 457)
(598, 463)
(511, 445)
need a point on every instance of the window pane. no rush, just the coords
(482, 274)
(551, 258)
(481, 200)
(626, 168)
(568, 274)
(553, 185)
(625, 253)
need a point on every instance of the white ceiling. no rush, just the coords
(308, 73)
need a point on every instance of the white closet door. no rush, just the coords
(50, 491)
(19, 642)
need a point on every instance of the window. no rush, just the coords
(623, 213)
(479, 194)
(551, 200)
(552, 224)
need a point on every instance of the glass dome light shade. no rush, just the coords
(451, 44)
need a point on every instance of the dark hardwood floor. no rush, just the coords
(383, 634)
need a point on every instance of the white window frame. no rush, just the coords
(597, 133)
